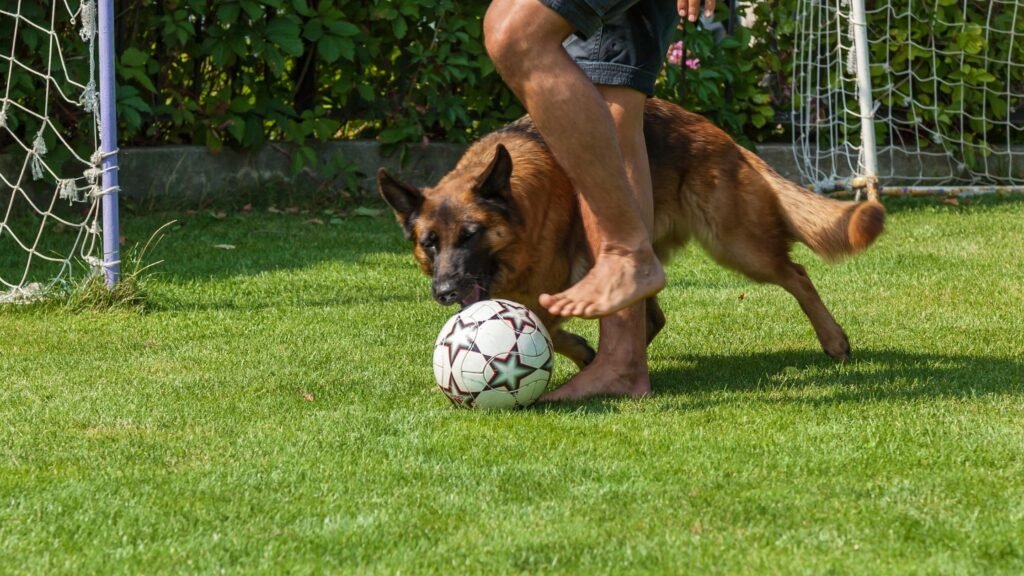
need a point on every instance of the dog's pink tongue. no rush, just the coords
(473, 297)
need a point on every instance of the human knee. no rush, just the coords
(516, 37)
(505, 44)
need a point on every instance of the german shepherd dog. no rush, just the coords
(505, 221)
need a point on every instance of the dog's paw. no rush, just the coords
(839, 349)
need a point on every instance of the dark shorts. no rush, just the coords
(619, 42)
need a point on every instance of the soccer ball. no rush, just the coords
(493, 354)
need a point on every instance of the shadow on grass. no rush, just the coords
(201, 246)
(805, 377)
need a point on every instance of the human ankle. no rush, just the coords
(635, 248)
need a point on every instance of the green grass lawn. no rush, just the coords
(274, 411)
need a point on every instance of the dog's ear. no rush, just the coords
(404, 199)
(495, 184)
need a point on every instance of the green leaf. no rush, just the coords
(302, 8)
(253, 9)
(398, 133)
(213, 142)
(313, 29)
(285, 33)
(254, 135)
(218, 52)
(399, 27)
(343, 28)
(236, 127)
(326, 128)
(983, 76)
(134, 57)
(240, 105)
(329, 48)
(365, 92)
(228, 13)
(304, 157)
(348, 48)
(139, 76)
(971, 40)
(274, 60)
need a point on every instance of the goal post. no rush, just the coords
(58, 146)
(108, 146)
(869, 162)
(918, 96)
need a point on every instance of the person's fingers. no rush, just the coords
(690, 9)
(693, 12)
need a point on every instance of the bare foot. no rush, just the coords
(604, 377)
(617, 280)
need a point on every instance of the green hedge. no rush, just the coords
(240, 73)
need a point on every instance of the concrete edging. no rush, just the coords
(190, 173)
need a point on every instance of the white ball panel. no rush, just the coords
(480, 311)
(529, 344)
(531, 387)
(495, 400)
(540, 360)
(470, 362)
(442, 370)
(495, 337)
(468, 371)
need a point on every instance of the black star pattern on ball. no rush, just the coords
(460, 338)
(453, 385)
(459, 401)
(508, 371)
(517, 319)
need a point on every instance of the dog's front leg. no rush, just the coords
(573, 347)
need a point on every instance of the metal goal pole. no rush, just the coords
(108, 144)
(867, 109)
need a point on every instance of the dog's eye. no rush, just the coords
(429, 241)
(470, 232)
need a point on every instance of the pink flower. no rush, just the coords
(675, 53)
(693, 63)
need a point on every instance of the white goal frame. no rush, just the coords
(95, 180)
(837, 88)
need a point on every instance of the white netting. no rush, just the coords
(50, 165)
(947, 92)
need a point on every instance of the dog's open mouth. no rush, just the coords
(479, 293)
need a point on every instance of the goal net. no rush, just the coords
(938, 85)
(57, 174)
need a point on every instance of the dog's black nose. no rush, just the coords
(446, 293)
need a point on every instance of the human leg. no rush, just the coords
(524, 38)
(620, 367)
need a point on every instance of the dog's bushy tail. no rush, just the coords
(831, 228)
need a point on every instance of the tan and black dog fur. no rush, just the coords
(505, 222)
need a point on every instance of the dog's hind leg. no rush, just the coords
(573, 347)
(655, 319)
(833, 340)
(766, 259)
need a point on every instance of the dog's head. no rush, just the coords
(459, 227)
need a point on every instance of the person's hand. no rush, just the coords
(690, 9)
